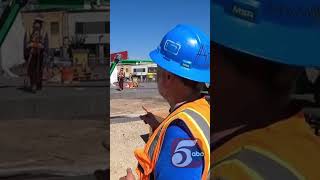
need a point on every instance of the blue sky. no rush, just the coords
(139, 25)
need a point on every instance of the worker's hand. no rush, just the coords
(151, 119)
(129, 175)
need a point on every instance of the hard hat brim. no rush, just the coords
(39, 19)
(176, 68)
(287, 44)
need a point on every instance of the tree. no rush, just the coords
(78, 41)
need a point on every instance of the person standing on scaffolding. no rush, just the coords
(35, 48)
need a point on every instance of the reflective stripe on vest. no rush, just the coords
(261, 164)
(196, 116)
(199, 121)
(154, 143)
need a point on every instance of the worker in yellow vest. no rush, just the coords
(179, 147)
(261, 47)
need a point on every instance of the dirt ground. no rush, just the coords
(126, 137)
(70, 146)
(133, 107)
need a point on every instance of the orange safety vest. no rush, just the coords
(196, 115)
(288, 149)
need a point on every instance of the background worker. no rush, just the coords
(35, 49)
(259, 132)
(183, 60)
(121, 76)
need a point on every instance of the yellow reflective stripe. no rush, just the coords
(254, 175)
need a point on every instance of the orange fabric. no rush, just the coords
(291, 140)
(202, 108)
(144, 162)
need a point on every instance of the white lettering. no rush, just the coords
(243, 12)
(197, 154)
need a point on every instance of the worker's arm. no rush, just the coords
(165, 169)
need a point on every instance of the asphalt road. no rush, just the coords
(144, 91)
(54, 103)
(50, 177)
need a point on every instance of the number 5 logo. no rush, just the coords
(182, 154)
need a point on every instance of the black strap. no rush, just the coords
(151, 174)
(140, 168)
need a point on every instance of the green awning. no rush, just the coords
(134, 61)
(61, 2)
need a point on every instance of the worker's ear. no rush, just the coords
(167, 75)
(166, 78)
(171, 79)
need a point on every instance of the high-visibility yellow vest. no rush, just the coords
(286, 150)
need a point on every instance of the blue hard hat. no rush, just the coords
(185, 52)
(284, 31)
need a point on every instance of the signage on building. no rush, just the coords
(123, 55)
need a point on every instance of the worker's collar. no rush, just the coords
(177, 106)
(182, 103)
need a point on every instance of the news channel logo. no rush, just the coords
(185, 153)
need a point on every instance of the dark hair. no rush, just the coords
(275, 76)
(194, 85)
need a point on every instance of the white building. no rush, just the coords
(64, 22)
(94, 25)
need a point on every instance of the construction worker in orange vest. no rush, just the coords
(179, 147)
(260, 132)
(35, 50)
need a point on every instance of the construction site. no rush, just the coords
(126, 107)
(60, 130)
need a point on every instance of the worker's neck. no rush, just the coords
(261, 113)
(232, 122)
(181, 97)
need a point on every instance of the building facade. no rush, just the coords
(53, 25)
(94, 26)
(66, 23)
